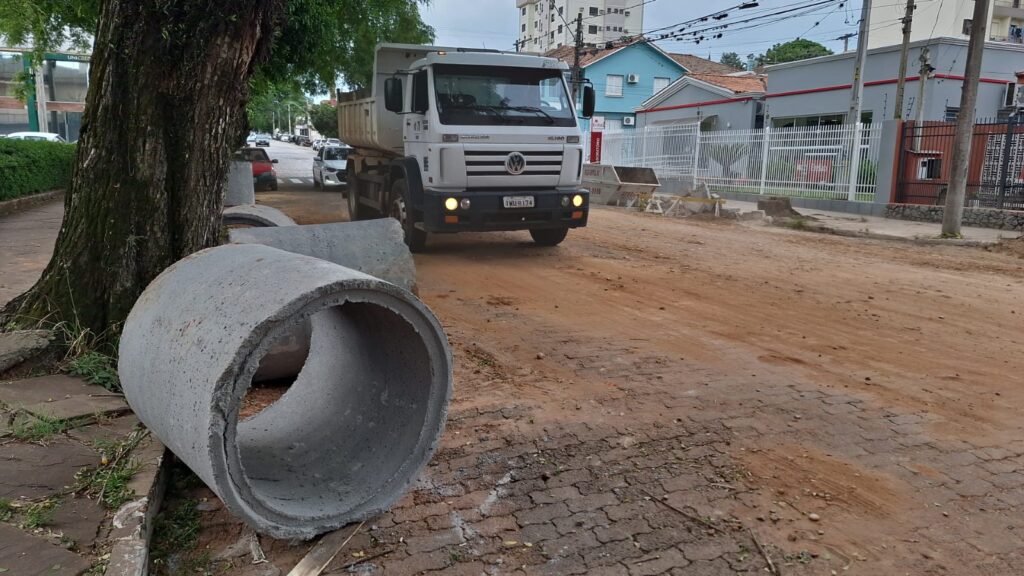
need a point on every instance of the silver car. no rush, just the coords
(330, 165)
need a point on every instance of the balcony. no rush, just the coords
(1008, 9)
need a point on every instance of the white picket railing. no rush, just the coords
(811, 162)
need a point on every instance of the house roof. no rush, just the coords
(593, 54)
(726, 85)
(698, 65)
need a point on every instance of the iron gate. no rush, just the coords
(995, 175)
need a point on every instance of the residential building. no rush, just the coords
(56, 101)
(950, 19)
(732, 101)
(816, 91)
(545, 25)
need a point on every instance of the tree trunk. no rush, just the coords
(169, 82)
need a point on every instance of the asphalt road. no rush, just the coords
(294, 165)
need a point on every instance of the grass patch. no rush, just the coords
(6, 510)
(176, 530)
(38, 514)
(35, 428)
(108, 483)
(96, 368)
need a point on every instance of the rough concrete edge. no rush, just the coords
(820, 229)
(133, 523)
(8, 207)
(11, 359)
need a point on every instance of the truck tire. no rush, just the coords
(402, 211)
(548, 236)
(353, 197)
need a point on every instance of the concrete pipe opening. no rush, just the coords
(347, 437)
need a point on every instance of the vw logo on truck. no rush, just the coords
(515, 163)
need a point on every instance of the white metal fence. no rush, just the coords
(811, 162)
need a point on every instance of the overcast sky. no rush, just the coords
(493, 24)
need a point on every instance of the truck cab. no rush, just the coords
(475, 141)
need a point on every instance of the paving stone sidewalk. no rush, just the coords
(62, 473)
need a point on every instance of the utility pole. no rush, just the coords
(577, 73)
(957, 190)
(846, 40)
(908, 18)
(923, 74)
(856, 90)
(858, 67)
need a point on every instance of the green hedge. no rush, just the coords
(29, 167)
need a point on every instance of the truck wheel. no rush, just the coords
(353, 198)
(548, 236)
(415, 238)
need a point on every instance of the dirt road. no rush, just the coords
(668, 396)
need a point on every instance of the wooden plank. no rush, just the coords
(321, 555)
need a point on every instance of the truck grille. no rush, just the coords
(492, 162)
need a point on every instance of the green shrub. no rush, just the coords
(29, 167)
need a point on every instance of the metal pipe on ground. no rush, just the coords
(238, 188)
(374, 247)
(256, 215)
(351, 434)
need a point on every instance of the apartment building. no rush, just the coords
(548, 24)
(951, 19)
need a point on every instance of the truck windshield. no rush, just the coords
(474, 95)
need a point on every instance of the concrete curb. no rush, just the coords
(817, 228)
(133, 523)
(25, 202)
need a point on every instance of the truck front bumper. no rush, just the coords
(551, 209)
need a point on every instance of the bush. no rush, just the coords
(29, 167)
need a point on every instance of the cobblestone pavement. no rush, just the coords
(665, 397)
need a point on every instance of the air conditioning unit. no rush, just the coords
(633, 78)
(629, 121)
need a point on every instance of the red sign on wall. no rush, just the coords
(595, 147)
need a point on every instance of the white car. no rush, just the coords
(41, 136)
(330, 166)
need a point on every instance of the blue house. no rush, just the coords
(626, 76)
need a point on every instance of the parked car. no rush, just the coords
(264, 177)
(318, 144)
(41, 136)
(330, 166)
(306, 141)
(262, 140)
(332, 142)
(285, 137)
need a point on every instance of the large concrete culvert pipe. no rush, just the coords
(344, 442)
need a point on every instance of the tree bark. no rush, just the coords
(169, 82)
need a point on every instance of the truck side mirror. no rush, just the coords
(393, 94)
(589, 101)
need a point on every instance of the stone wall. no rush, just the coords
(980, 217)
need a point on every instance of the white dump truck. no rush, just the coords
(454, 139)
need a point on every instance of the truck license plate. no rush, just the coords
(518, 201)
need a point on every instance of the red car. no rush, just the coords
(264, 177)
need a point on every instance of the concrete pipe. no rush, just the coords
(238, 189)
(351, 434)
(374, 247)
(256, 215)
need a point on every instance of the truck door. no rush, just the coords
(417, 126)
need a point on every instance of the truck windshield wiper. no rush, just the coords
(534, 109)
(492, 109)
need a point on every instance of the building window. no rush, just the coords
(524, 11)
(967, 27)
(929, 169)
(660, 84)
(627, 13)
(552, 17)
(524, 27)
(952, 113)
(559, 28)
(552, 35)
(613, 85)
(593, 10)
(559, 9)
(592, 29)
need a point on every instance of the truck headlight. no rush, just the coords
(451, 204)
(577, 200)
(464, 203)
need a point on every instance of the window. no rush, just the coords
(524, 11)
(559, 9)
(627, 13)
(592, 29)
(613, 85)
(660, 84)
(929, 169)
(524, 27)
(420, 92)
(593, 10)
(498, 95)
(552, 35)
(552, 17)
(952, 113)
(967, 27)
(559, 28)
